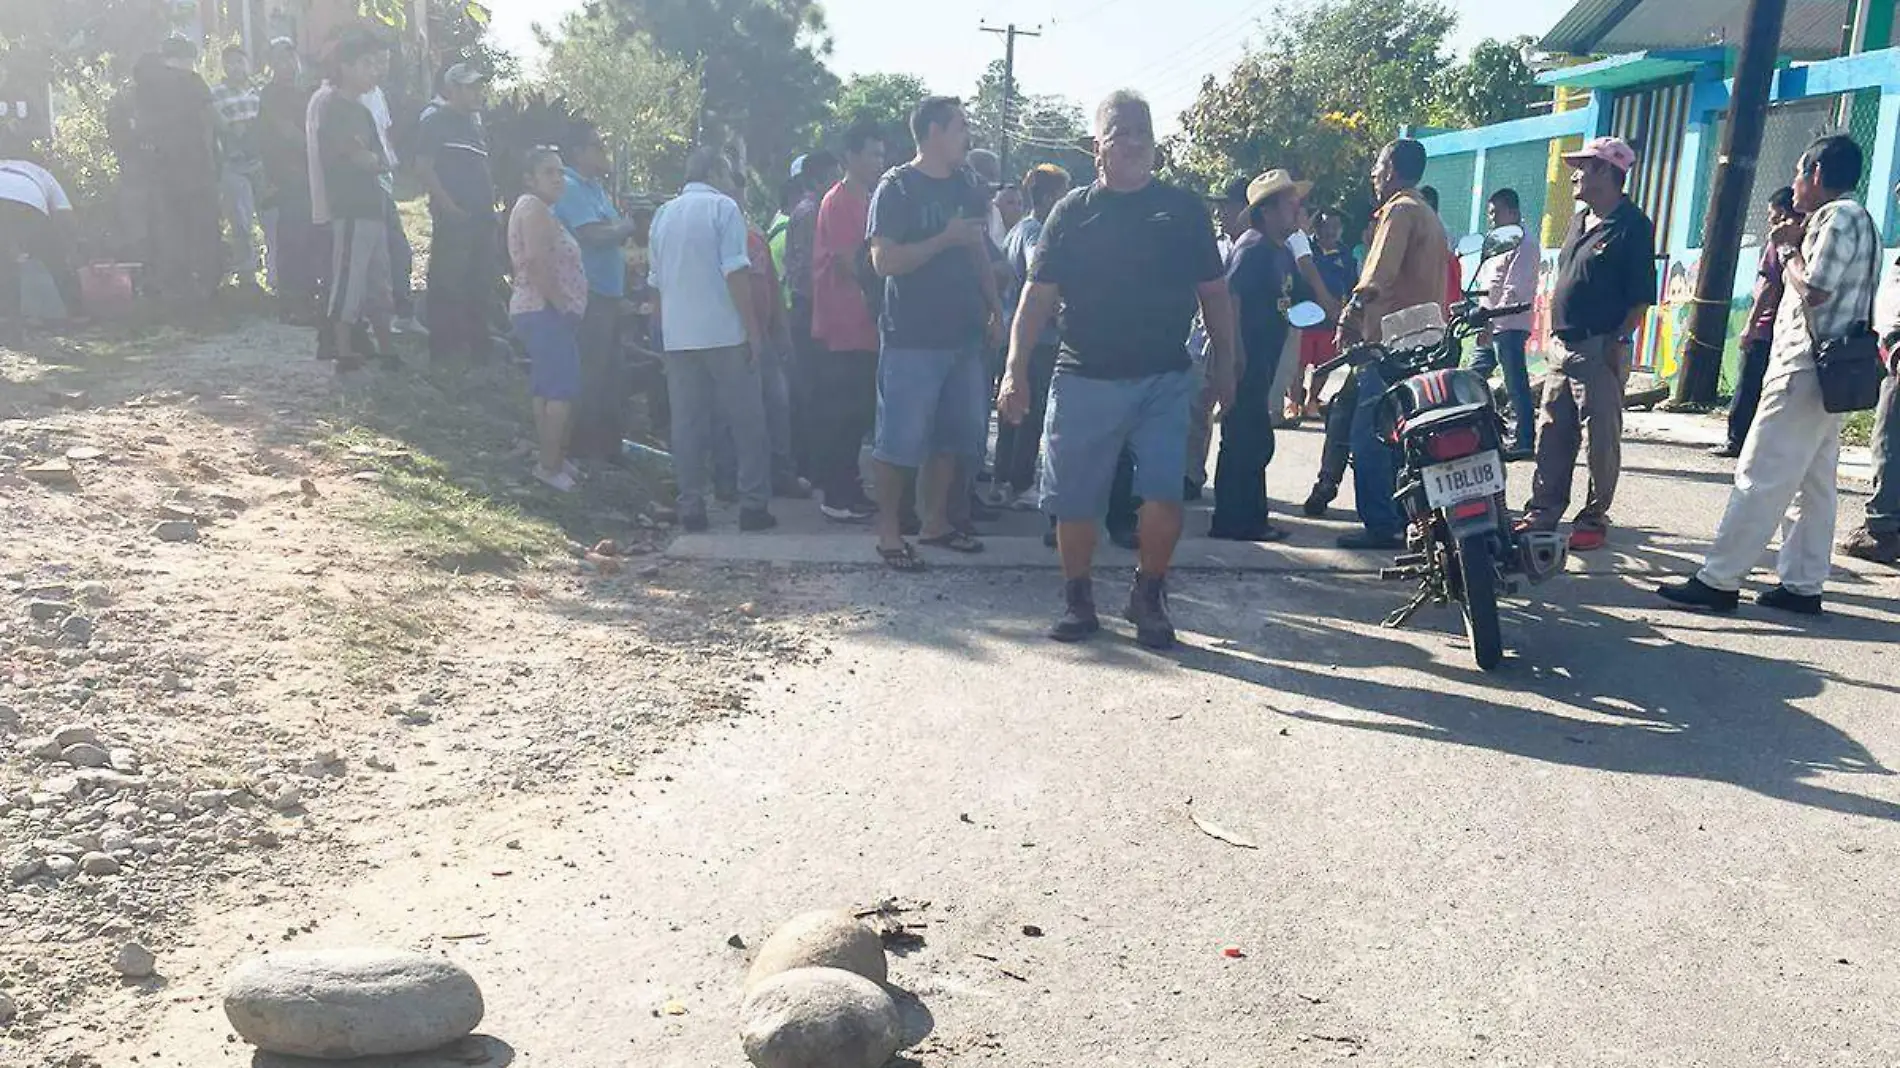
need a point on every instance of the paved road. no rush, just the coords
(1651, 839)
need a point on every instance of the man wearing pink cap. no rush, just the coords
(1606, 279)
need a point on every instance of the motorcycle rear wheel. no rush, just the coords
(1478, 574)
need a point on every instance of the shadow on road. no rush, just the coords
(1640, 689)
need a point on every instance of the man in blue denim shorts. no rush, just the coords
(929, 242)
(1129, 259)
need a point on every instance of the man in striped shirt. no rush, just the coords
(1786, 477)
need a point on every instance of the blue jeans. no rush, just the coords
(1507, 350)
(1883, 512)
(1373, 478)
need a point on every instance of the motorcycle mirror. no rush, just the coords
(1502, 240)
(1306, 314)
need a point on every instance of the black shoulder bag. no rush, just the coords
(1850, 367)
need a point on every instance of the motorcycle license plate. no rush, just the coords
(1458, 481)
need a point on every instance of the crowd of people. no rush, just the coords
(1109, 326)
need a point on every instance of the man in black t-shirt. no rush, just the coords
(928, 238)
(1129, 259)
(452, 162)
(1260, 277)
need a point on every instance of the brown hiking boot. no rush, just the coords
(1080, 620)
(1864, 544)
(1148, 611)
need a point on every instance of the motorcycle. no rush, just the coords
(1445, 429)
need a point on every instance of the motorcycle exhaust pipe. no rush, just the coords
(1541, 554)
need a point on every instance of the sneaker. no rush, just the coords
(1787, 600)
(694, 522)
(849, 513)
(1726, 451)
(1864, 544)
(1148, 611)
(1319, 500)
(1697, 594)
(1079, 620)
(559, 480)
(1366, 539)
(756, 519)
(1588, 539)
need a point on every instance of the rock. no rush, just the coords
(308, 487)
(61, 785)
(45, 611)
(230, 502)
(123, 760)
(84, 453)
(819, 1018)
(135, 961)
(93, 593)
(51, 473)
(175, 530)
(78, 628)
(173, 510)
(75, 734)
(98, 864)
(22, 868)
(84, 755)
(60, 867)
(286, 797)
(335, 1004)
(8, 1010)
(824, 939)
(113, 839)
(46, 748)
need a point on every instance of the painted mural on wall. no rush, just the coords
(1659, 343)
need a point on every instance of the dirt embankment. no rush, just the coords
(247, 618)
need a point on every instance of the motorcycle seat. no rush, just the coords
(1448, 414)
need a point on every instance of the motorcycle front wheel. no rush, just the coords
(1478, 574)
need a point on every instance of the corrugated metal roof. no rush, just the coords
(1812, 29)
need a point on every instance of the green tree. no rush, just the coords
(645, 104)
(1041, 128)
(764, 83)
(886, 101)
(458, 32)
(1493, 85)
(1325, 87)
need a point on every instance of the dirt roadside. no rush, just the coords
(366, 630)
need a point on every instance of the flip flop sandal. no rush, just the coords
(956, 541)
(904, 559)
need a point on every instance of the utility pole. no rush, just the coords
(1009, 33)
(1728, 207)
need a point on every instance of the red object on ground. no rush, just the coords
(1233, 952)
(1584, 541)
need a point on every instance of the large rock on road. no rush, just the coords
(337, 1004)
(824, 939)
(819, 1018)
